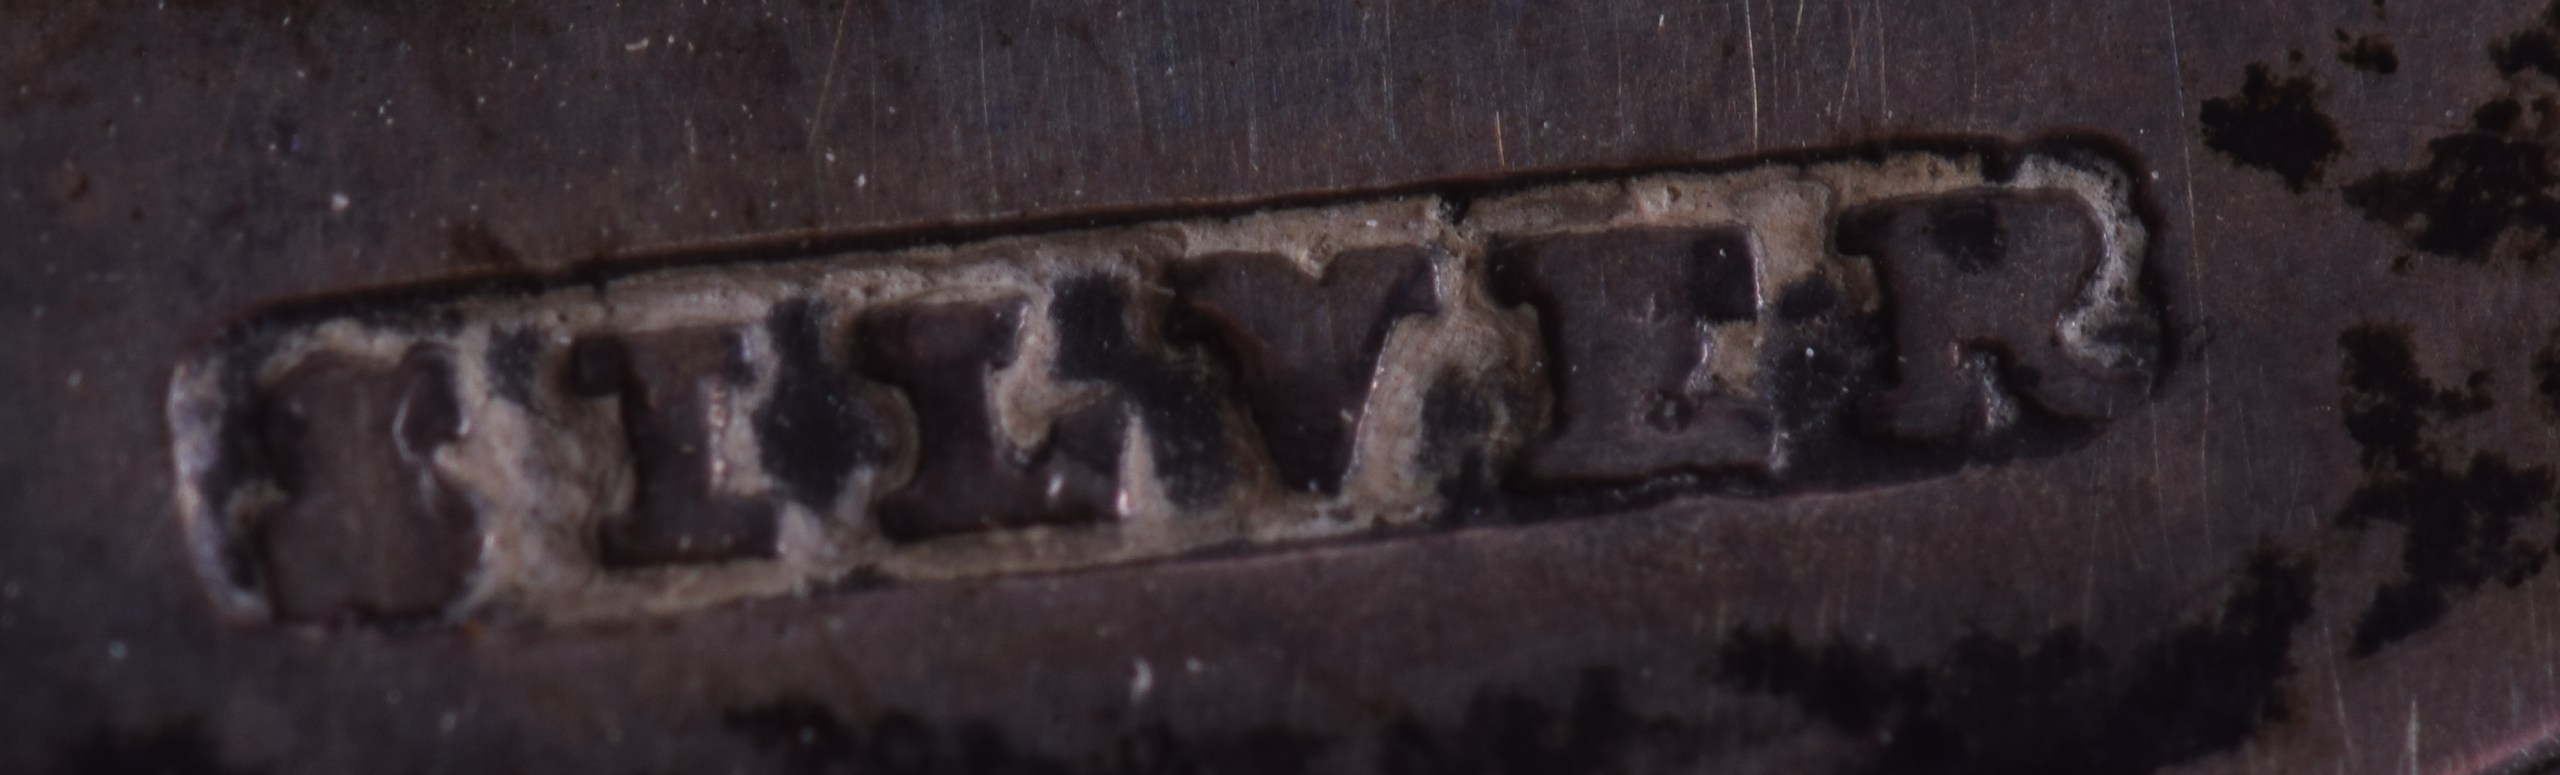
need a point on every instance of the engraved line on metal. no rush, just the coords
(682, 437)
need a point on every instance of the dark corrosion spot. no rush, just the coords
(1181, 414)
(2057, 705)
(2462, 520)
(1853, 687)
(816, 429)
(2498, 115)
(474, 244)
(2546, 372)
(984, 750)
(176, 749)
(1809, 299)
(1459, 447)
(2208, 686)
(2274, 124)
(2476, 188)
(1453, 414)
(2369, 53)
(1857, 689)
(1264, 750)
(967, 474)
(804, 733)
(900, 743)
(2536, 49)
(2462, 530)
(515, 363)
(1514, 732)
(2388, 402)
(810, 738)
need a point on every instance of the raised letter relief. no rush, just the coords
(652, 441)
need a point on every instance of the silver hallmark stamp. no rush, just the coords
(651, 441)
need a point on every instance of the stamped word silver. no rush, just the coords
(673, 438)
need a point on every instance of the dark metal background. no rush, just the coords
(2321, 548)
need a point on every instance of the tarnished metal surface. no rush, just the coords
(656, 442)
(2244, 463)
